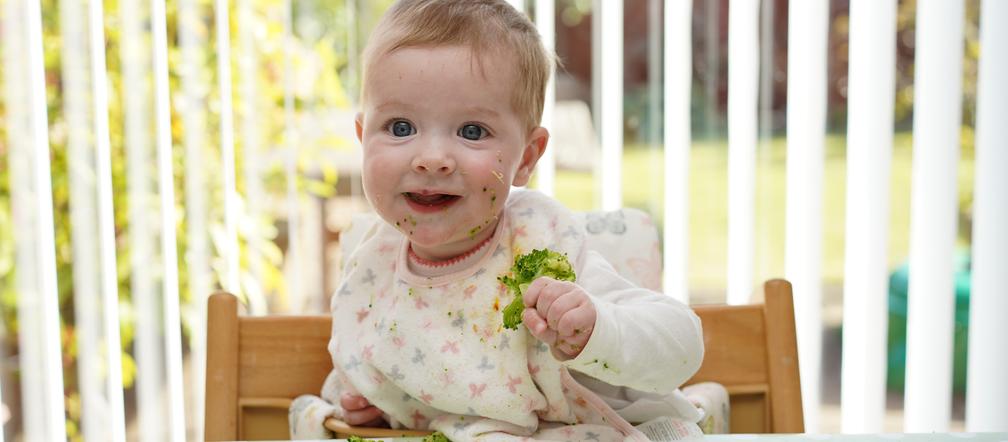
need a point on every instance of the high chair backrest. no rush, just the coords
(257, 365)
(752, 351)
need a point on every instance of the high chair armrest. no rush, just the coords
(342, 430)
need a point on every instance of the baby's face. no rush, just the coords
(442, 146)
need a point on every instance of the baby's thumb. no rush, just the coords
(353, 401)
(537, 326)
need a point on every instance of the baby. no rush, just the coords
(450, 107)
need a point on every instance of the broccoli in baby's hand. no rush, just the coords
(526, 269)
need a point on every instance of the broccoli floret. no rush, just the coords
(356, 439)
(526, 269)
(437, 436)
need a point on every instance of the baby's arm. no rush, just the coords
(641, 339)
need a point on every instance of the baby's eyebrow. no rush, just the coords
(483, 111)
(394, 105)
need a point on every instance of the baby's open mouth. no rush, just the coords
(431, 200)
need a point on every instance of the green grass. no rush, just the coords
(708, 197)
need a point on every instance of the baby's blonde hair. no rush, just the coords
(480, 25)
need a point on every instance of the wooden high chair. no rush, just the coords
(752, 351)
(257, 365)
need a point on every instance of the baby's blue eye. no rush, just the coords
(402, 129)
(472, 132)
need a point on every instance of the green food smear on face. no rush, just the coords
(526, 269)
(473, 231)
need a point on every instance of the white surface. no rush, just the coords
(743, 76)
(933, 214)
(169, 249)
(293, 268)
(866, 267)
(678, 59)
(545, 16)
(987, 385)
(230, 191)
(808, 24)
(143, 216)
(611, 108)
(83, 217)
(113, 416)
(192, 107)
(32, 218)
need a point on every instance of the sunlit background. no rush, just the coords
(150, 156)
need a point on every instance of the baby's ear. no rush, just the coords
(534, 148)
(359, 125)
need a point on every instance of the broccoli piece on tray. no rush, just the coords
(436, 437)
(526, 269)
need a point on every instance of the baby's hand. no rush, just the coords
(357, 411)
(560, 314)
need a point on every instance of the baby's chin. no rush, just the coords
(448, 244)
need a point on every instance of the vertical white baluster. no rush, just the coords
(231, 272)
(808, 24)
(192, 42)
(83, 219)
(652, 120)
(169, 247)
(743, 76)
(9, 42)
(596, 84)
(766, 78)
(31, 207)
(611, 95)
(869, 156)
(545, 18)
(353, 58)
(147, 345)
(295, 288)
(987, 385)
(678, 59)
(934, 213)
(354, 13)
(114, 421)
(712, 62)
(250, 142)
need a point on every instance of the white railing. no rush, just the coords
(869, 156)
(986, 383)
(156, 313)
(806, 133)
(931, 303)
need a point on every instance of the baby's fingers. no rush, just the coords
(577, 323)
(537, 326)
(531, 296)
(369, 417)
(353, 401)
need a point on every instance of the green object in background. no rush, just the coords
(898, 288)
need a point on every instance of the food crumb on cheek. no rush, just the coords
(473, 231)
(498, 175)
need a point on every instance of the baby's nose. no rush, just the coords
(434, 161)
